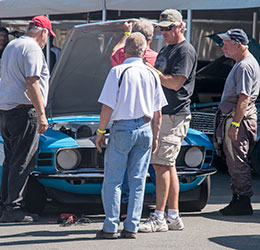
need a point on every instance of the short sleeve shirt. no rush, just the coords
(178, 59)
(119, 56)
(22, 58)
(140, 93)
(244, 78)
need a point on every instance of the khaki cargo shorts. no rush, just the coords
(173, 130)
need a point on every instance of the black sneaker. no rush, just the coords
(105, 235)
(128, 235)
(241, 207)
(18, 216)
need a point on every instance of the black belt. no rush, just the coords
(23, 106)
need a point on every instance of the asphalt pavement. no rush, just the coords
(205, 230)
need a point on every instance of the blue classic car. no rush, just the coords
(69, 169)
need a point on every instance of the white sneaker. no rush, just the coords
(175, 224)
(153, 224)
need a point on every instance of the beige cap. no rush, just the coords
(169, 17)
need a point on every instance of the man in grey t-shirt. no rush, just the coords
(23, 97)
(237, 102)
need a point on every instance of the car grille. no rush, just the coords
(91, 158)
(93, 161)
(203, 122)
(45, 159)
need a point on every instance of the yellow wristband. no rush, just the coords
(236, 124)
(159, 73)
(101, 131)
(127, 33)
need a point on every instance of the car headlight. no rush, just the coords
(193, 157)
(68, 159)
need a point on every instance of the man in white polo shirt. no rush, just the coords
(132, 98)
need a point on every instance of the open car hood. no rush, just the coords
(81, 70)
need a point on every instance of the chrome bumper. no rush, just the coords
(83, 175)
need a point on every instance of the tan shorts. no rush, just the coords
(173, 130)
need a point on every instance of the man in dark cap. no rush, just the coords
(176, 65)
(24, 90)
(238, 131)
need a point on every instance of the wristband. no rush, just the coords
(159, 73)
(237, 125)
(100, 132)
(127, 33)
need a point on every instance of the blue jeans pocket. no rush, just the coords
(122, 140)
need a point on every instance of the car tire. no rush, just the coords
(198, 205)
(255, 158)
(220, 164)
(36, 196)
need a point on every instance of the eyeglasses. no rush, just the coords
(167, 28)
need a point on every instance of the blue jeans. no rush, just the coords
(129, 149)
(125, 187)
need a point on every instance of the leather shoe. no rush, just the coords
(106, 235)
(127, 235)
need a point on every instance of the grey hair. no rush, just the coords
(135, 45)
(145, 27)
(35, 29)
(244, 47)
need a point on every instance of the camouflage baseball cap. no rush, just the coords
(169, 17)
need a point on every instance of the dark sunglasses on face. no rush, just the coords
(167, 28)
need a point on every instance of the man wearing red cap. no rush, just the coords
(24, 91)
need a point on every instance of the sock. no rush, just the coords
(173, 213)
(160, 214)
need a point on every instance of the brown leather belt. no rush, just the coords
(146, 119)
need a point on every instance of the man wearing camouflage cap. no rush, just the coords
(176, 65)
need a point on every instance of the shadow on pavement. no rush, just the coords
(220, 189)
(49, 234)
(255, 218)
(238, 242)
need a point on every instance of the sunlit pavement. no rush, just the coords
(204, 230)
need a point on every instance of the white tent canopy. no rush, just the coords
(22, 8)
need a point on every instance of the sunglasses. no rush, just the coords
(167, 28)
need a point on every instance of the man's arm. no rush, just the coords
(169, 81)
(127, 26)
(34, 93)
(156, 125)
(242, 104)
(105, 115)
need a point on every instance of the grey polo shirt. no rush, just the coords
(22, 58)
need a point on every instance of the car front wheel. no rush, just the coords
(201, 202)
(36, 196)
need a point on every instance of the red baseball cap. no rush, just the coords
(44, 22)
